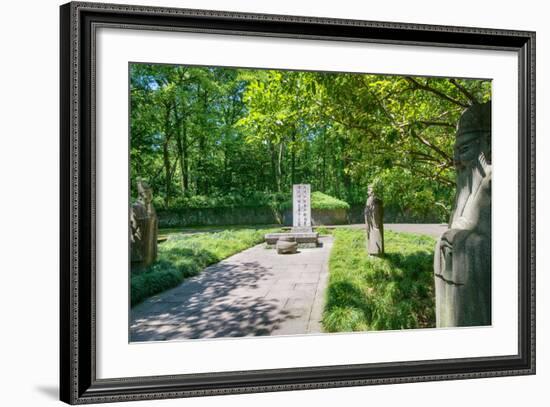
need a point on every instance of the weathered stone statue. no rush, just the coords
(374, 219)
(144, 229)
(462, 259)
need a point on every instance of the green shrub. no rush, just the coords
(323, 230)
(415, 197)
(230, 200)
(278, 201)
(323, 201)
(320, 201)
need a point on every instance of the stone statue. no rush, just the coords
(144, 229)
(374, 219)
(462, 258)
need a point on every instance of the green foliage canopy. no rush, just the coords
(202, 133)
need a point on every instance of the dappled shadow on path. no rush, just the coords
(227, 299)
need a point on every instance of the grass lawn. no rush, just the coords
(165, 232)
(370, 293)
(183, 256)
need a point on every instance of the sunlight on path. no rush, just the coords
(253, 293)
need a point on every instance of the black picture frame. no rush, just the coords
(78, 382)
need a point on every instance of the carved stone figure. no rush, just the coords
(462, 258)
(374, 219)
(144, 229)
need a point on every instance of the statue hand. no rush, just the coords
(447, 238)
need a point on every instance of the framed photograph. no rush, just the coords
(254, 203)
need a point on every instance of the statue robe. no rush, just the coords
(374, 217)
(143, 235)
(463, 272)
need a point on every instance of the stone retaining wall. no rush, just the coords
(270, 216)
(321, 217)
(218, 217)
(245, 216)
(356, 214)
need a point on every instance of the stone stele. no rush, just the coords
(374, 220)
(462, 258)
(144, 229)
(301, 232)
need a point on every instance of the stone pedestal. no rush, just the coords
(304, 240)
(286, 245)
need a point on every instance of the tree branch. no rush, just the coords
(427, 88)
(424, 157)
(436, 123)
(437, 177)
(432, 146)
(464, 91)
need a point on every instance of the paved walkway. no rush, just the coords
(255, 292)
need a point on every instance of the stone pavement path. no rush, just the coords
(254, 292)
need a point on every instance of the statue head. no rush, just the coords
(144, 191)
(375, 188)
(473, 136)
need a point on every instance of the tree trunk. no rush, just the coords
(202, 179)
(324, 165)
(182, 152)
(186, 164)
(273, 160)
(166, 157)
(201, 170)
(280, 166)
(293, 159)
(346, 178)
